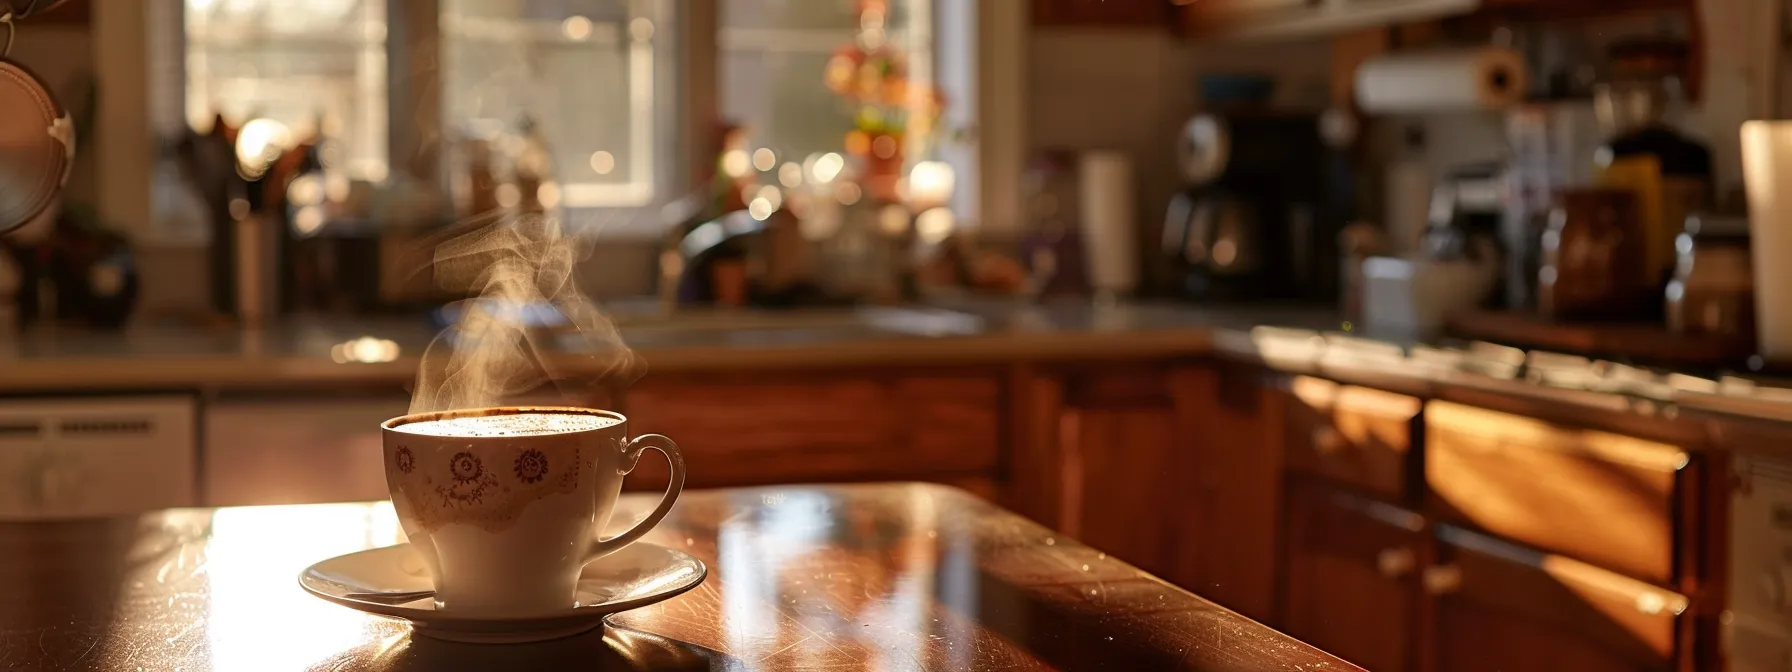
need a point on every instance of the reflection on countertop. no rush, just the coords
(854, 577)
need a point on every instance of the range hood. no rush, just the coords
(1265, 19)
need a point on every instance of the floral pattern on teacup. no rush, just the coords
(531, 466)
(453, 485)
(465, 467)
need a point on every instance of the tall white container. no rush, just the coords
(1767, 172)
(1110, 222)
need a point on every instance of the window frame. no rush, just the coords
(415, 71)
(138, 46)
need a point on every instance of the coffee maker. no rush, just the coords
(1260, 217)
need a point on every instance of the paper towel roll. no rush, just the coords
(1465, 79)
(1767, 174)
(1109, 221)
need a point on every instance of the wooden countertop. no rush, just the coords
(306, 351)
(864, 577)
(308, 354)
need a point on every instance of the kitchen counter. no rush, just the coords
(386, 351)
(867, 577)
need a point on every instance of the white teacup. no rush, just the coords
(504, 504)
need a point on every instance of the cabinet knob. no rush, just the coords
(1327, 440)
(1395, 562)
(1442, 579)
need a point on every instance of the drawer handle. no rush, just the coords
(1395, 562)
(1328, 441)
(1442, 579)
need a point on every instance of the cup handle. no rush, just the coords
(631, 455)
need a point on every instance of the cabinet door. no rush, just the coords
(1101, 12)
(296, 450)
(1352, 435)
(1504, 607)
(1115, 433)
(751, 429)
(1352, 566)
(1608, 499)
(1229, 511)
(1176, 469)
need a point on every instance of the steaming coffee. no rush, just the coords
(509, 424)
(504, 504)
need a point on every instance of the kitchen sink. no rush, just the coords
(919, 321)
(647, 323)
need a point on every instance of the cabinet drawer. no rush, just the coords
(1505, 607)
(1352, 569)
(1607, 499)
(740, 431)
(1353, 435)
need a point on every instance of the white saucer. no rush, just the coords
(636, 576)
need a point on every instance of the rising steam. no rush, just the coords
(516, 267)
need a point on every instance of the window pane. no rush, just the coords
(581, 70)
(774, 55)
(296, 63)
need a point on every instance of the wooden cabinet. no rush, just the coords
(1099, 445)
(1352, 586)
(817, 427)
(1603, 498)
(1544, 10)
(1176, 469)
(1230, 511)
(1353, 435)
(296, 450)
(1102, 12)
(1504, 607)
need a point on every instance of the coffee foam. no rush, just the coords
(508, 424)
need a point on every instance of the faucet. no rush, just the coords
(684, 251)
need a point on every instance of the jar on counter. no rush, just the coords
(1713, 289)
(1591, 252)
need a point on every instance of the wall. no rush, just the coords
(1132, 90)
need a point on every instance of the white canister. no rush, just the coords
(1109, 221)
(1767, 173)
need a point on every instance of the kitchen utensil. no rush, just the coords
(1592, 254)
(375, 581)
(392, 598)
(37, 133)
(1465, 216)
(1260, 216)
(1713, 290)
(1669, 172)
(1551, 146)
(1415, 298)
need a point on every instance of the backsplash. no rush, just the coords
(175, 275)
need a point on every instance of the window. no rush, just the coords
(298, 63)
(774, 59)
(583, 70)
(596, 78)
